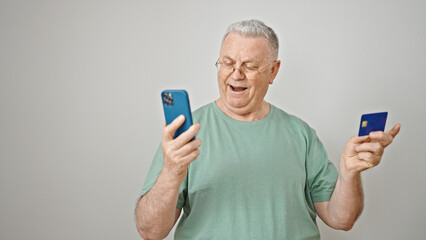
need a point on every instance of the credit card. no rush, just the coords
(372, 122)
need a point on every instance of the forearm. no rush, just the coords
(347, 201)
(156, 210)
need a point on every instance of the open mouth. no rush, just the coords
(237, 89)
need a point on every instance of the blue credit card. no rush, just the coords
(372, 122)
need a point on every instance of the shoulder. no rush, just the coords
(288, 118)
(202, 112)
(294, 123)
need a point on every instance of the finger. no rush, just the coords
(395, 130)
(383, 138)
(366, 156)
(365, 165)
(189, 147)
(369, 158)
(187, 136)
(373, 147)
(358, 139)
(169, 130)
(191, 156)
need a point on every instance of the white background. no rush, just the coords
(81, 115)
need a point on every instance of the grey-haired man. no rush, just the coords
(260, 172)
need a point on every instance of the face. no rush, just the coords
(242, 93)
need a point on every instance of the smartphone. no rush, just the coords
(176, 103)
(372, 122)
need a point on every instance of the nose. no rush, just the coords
(237, 73)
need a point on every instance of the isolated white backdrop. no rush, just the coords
(81, 115)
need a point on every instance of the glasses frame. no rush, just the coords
(258, 70)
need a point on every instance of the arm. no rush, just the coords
(156, 211)
(347, 200)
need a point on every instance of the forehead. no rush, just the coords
(239, 47)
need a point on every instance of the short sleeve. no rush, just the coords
(321, 172)
(152, 176)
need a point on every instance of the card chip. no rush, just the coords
(364, 123)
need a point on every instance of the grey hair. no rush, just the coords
(255, 28)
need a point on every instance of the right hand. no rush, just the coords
(180, 152)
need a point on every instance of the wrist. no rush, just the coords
(171, 179)
(348, 172)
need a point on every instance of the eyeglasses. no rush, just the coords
(228, 68)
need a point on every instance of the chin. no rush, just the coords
(239, 107)
(236, 103)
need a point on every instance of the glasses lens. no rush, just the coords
(217, 66)
(224, 68)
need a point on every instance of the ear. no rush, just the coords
(275, 67)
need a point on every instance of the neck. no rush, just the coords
(246, 116)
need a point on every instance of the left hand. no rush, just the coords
(361, 153)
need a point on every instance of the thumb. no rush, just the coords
(395, 130)
(169, 130)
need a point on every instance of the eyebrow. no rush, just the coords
(250, 60)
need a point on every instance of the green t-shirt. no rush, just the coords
(252, 180)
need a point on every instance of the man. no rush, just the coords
(260, 173)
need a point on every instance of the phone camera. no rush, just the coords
(168, 99)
